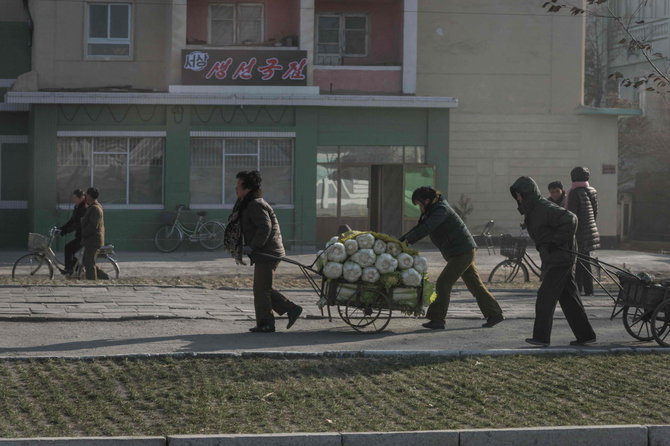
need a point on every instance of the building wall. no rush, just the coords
(58, 52)
(517, 73)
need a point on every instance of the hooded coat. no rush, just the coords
(583, 202)
(260, 228)
(551, 227)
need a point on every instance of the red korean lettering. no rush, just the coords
(244, 70)
(219, 69)
(295, 71)
(268, 70)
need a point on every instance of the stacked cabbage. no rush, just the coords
(369, 261)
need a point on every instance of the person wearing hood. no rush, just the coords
(450, 235)
(261, 235)
(582, 200)
(552, 228)
(556, 193)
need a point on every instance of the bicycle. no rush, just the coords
(517, 264)
(41, 260)
(208, 232)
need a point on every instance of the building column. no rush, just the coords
(409, 46)
(177, 156)
(42, 198)
(437, 148)
(176, 26)
(307, 35)
(306, 143)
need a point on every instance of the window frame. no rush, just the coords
(225, 183)
(128, 136)
(108, 40)
(236, 19)
(342, 16)
(11, 204)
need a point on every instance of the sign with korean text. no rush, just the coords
(244, 67)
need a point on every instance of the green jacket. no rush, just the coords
(551, 227)
(446, 229)
(93, 226)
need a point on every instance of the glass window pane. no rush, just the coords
(354, 23)
(326, 190)
(329, 22)
(14, 163)
(73, 168)
(221, 11)
(222, 32)
(329, 49)
(110, 144)
(249, 31)
(97, 21)
(250, 12)
(371, 154)
(107, 49)
(109, 177)
(355, 183)
(235, 164)
(118, 22)
(328, 36)
(416, 177)
(354, 42)
(277, 170)
(146, 170)
(242, 146)
(326, 154)
(415, 154)
(206, 171)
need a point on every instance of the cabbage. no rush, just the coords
(364, 257)
(420, 264)
(405, 261)
(410, 277)
(365, 241)
(337, 253)
(370, 274)
(345, 291)
(405, 295)
(386, 264)
(332, 241)
(393, 248)
(390, 280)
(351, 271)
(351, 246)
(428, 293)
(379, 247)
(332, 270)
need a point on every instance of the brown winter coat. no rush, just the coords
(261, 230)
(93, 226)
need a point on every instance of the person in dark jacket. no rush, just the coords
(450, 235)
(73, 224)
(556, 193)
(582, 201)
(260, 230)
(92, 234)
(552, 228)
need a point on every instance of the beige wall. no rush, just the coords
(59, 47)
(517, 73)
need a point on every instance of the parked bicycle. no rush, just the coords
(517, 264)
(41, 260)
(208, 232)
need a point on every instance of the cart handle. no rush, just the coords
(288, 260)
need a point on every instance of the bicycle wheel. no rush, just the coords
(210, 235)
(509, 271)
(168, 238)
(107, 268)
(367, 311)
(637, 322)
(33, 265)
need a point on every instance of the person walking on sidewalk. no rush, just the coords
(74, 224)
(260, 229)
(93, 234)
(552, 228)
(582, 201)
(450, 235)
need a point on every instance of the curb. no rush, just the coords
(452, 354)
(622, 435)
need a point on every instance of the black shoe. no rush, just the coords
(433, 325)
(66, 272)
(262, 329)
(537, 342)
(583, 342)
(293, 315)
(493, 320)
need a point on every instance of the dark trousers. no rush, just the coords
(90, 253)
(266, 298)
(583, 275)
(559, 285)
(71, 249)
(461, 266)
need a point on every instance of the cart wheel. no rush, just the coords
(637, 322)
(367, 311)
(660, 323)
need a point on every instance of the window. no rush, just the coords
(126, 170)
(234, 24)
(108, 33)
(13, 173)
(341, 35)
(216, 161)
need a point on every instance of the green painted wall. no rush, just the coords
(14, 51)
(437, 146)
(15, 224)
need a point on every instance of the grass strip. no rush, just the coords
(163, 396)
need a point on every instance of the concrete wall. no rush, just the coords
(367, 81)
(60, 39)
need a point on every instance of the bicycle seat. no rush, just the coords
(202, 213)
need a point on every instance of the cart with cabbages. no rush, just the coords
(643, 304)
